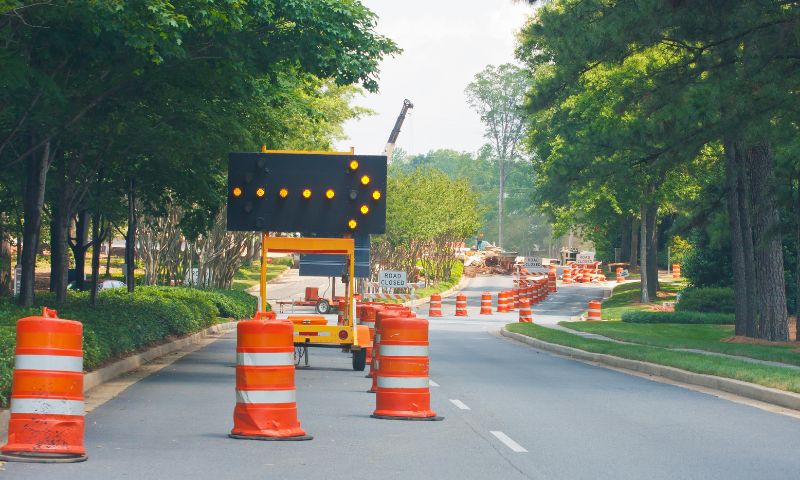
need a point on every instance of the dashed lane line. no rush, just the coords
(459, 404)
(432, 383)
(508, 442)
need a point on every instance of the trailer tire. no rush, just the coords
(359, 359)
(323, 307)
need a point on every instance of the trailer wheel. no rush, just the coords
(359, 359)
(323, 306)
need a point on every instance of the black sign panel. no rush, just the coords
(308, 193)
(330, 265)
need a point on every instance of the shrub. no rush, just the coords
(712, 300)
(123, 323)
(697, 318)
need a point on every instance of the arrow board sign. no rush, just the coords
(392, 279)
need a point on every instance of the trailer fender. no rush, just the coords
(363, 337)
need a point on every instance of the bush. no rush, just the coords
(695, 318)
(712, 300)
(123, 323)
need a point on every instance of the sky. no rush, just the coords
(445, 43)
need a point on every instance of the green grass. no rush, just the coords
(249, 275)
(626, 297)
(766, 375)
(699, 337)
(444, 285)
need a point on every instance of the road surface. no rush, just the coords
(512, 412)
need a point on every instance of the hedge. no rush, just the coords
(638, 316)
(122, 323)
(712, 300)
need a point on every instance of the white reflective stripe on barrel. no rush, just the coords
(265, 359)
(46, 406)
(369, 324)
(404, 351)
(58, 363)
(265, 396)
(403, 382)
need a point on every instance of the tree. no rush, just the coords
(167, 87)
(497, 94)
(696, 75)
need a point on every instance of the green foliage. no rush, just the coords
(687, 317)
(123, 323)
(427, 214)
(714, 300)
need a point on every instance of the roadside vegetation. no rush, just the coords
(249, 275)
(769, 376)
(123, 323)
(626, 298)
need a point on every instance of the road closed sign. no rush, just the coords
(533, 262)
(392, 279)
(584, 258)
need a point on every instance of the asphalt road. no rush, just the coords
(512, 412)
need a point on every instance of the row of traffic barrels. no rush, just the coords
(47, 404)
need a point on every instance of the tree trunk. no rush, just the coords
(634, 258)
(108, 253)
(652, 252)
(742, 287)
(6, 287)
(36, 167)
(500, 200)
(59, 256)
(80, 247)
(797, 258)
(645, 295)
(625, 241)
(130, 238)
(96, 219)
(770, 294)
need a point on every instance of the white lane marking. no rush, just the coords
(432, 383)
(514, 446)
(459, 404)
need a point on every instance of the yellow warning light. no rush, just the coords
(353, 164)
(283, 193)
(376, 195)
(352, 224)
(237, 192)
(364, 209)
(365, 180)
(260, 192)
(330, 194)
(307, 193)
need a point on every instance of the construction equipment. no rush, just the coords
(407, 105)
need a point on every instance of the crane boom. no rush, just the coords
(407, 105)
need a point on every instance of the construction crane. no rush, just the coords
(407, 105)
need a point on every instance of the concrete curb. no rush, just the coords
(736, 387)
(127, 364)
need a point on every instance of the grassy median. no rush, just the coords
(766, 375)
(699, 337)
(249, 275)
(626, 297)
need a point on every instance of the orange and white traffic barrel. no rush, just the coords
(379, 316)
(620, 278)
(266, 406)
(676, 270)
(595, 312)
(46, 423)
(403, 384)
(551, 281)
(566, 277)
(525, 312)
(461, 305)
(368, 313)
(435, 309)
(486, 304)
(502, 302)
